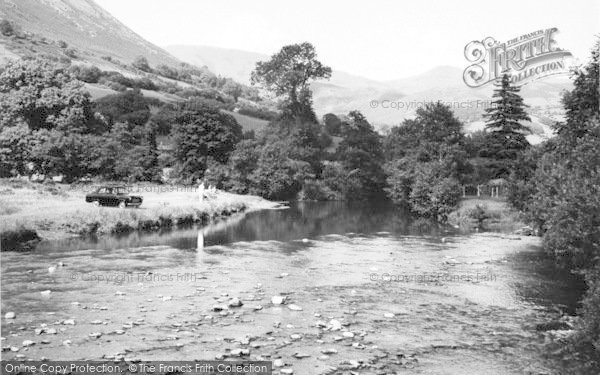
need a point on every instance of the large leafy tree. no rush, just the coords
(426, 162)
(361, 155)
(288, 73)
(43, 96)
(200, 133)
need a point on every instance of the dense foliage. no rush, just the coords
(561, 191)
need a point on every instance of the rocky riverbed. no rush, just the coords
(388, 299)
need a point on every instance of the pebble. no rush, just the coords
(46, 293)
(335, 325)
(295, 336)
(10, 315)
(96, 322)
(277, 300)
(258, 307)
(323, 357)
(294, 307)
(95, 335)
(278, 363)
(301, 355)
(329, 351)
(388, 315)
(219, 307)
(239, 352)
(286, 371)
(348, 334)
(67, 342)
(27, 343)
(235, 302)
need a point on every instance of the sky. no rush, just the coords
(377, 39)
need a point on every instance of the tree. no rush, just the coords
(333, 124)
(506, 137)
(15, 149)
(202, 132)
(566, 200)
(44, 96)
(56, 152)
(288, 74)
(6, 28)
(130, 106)
(276, 175)
(361, 155)
(426, 162)
(233, 89)
(141, 63)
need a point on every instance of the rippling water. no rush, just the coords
(461, 303)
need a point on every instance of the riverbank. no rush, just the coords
(30, 211)
(489, 214)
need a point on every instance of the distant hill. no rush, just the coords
(85, 26)
(345, 92)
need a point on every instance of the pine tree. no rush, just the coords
(506, 133)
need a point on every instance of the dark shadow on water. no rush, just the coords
(303, 220)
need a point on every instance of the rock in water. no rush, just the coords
(277, 300)
(28, 343)
(235, 302)
(335, 325)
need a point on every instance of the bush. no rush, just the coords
(591, 308)
(89, 74)
(6, 28)
(71, 52)
(316, 190)
(141, 63)
(18, 239)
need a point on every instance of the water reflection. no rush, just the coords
(300, 220)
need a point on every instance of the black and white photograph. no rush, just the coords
(195, 187)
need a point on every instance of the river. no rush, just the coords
(378, 291)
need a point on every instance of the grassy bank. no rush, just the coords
(29, 211)
(485, 214)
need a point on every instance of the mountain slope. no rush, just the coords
(84, 25)
(345, 92)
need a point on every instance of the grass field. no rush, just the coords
(248, 123)
(59, 210)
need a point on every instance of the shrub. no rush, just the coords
(6, 28)
(141, 63)
(71, 52)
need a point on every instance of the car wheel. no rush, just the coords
(96, 203)
(122, 204)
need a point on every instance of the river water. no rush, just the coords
(383, 292)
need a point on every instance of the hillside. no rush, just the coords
(85, 26)
(345, 92)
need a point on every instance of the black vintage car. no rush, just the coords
(113, 196)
